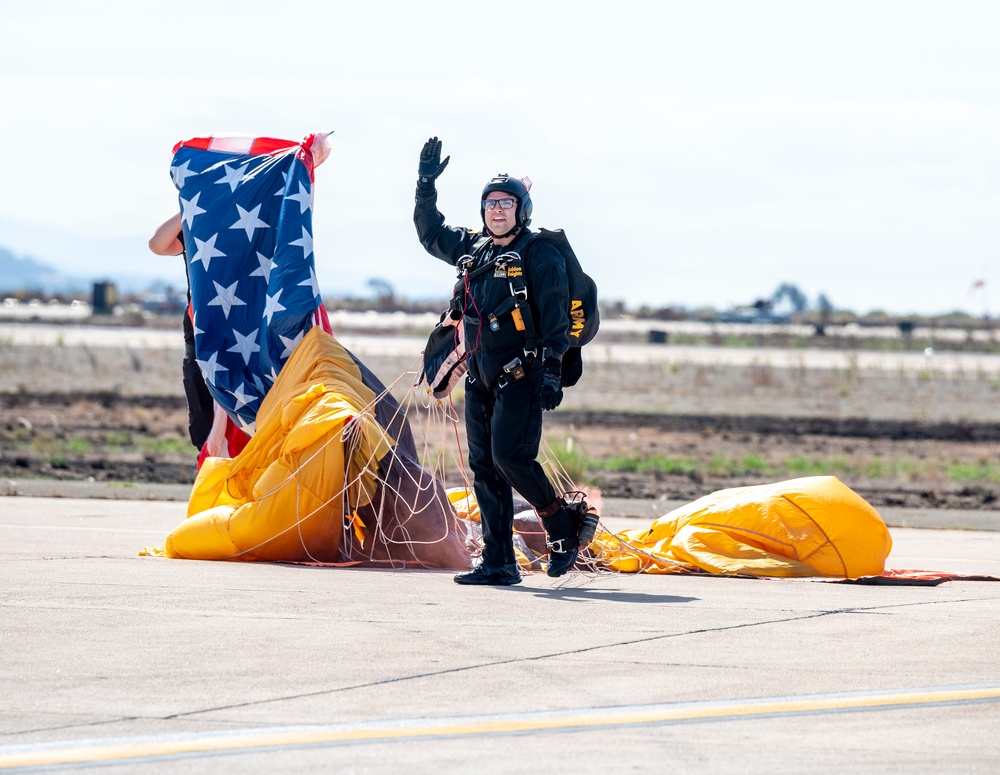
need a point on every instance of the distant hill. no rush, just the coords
(46, 260)
(25, 273)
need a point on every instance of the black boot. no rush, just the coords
(506, 576)
(564, 544)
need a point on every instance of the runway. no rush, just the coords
(138, 664)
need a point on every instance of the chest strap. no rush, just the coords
(456, 307)
(516, 305)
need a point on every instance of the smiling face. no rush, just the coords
(499, 220)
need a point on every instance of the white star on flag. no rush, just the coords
(267, 265)
(180, 174)
(289, 344)
(249, 221)
(190, 209)
(304, 198)
(242, 398)
(245, 345)
(232, 176)
(311, 283)
(210, 368)
(206, 250)
(284, 182)
(271, 305)
(226, 298)
(249, 428)
(305, 242)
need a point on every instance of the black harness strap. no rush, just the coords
(456, 307)
(516, 305)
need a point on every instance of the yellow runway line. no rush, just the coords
(145, 748)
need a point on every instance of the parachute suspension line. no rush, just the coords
(407, 502)
(407, 409)
(391, 526)
(555, 469)
(458, 445)
(292, 478)
(372, 541)
(574, 495)
(349, 436)
(479, 315)
(613, 546)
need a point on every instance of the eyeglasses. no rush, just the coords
(505, 204)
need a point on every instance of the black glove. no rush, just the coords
(551, 393)
(430, 163)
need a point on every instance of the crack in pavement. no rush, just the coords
(542, 657)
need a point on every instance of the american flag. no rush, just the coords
(246, 210)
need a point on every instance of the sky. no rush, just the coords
(694, 153)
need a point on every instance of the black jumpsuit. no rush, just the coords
(504, 425)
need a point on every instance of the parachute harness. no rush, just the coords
(517, 306)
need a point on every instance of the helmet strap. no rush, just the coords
(514, 233)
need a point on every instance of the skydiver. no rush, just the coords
(508, 386)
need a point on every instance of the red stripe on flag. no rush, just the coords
(255, 146)
(322, 319)
(252, 146)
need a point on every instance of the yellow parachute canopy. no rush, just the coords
(813, 526)
(312, 468)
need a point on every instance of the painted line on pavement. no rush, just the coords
(104, 752)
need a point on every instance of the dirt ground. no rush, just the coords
(665, 430)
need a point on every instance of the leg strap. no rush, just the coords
(551, 509)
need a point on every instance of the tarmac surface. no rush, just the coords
(137, 664)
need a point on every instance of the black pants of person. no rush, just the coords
(201, 409)
(504, 432)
